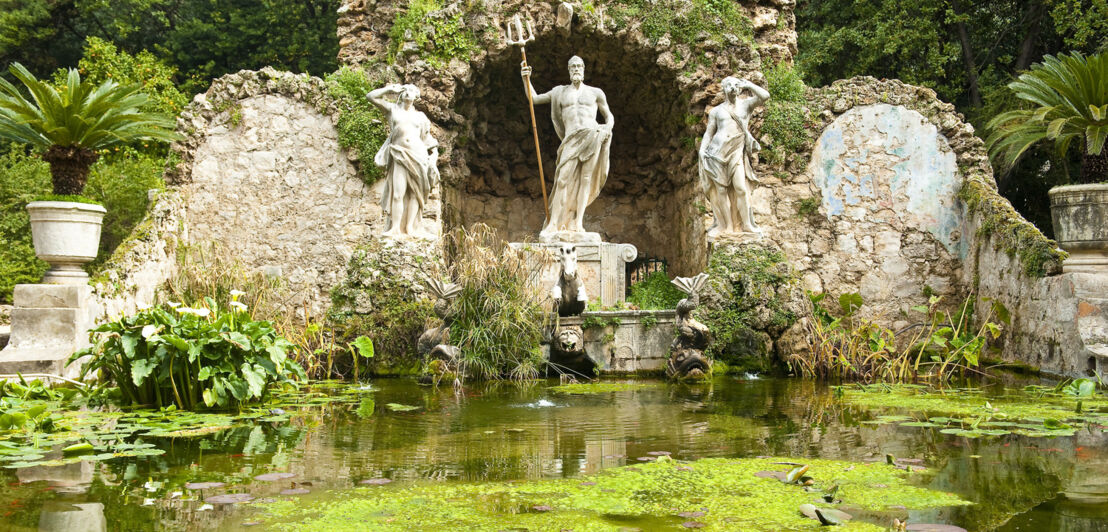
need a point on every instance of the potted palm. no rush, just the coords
(70, 124)
(1069, 97)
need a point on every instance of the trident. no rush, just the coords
(521, 39)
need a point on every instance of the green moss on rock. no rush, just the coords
(439, 35)
(751, 299)
(383, 297)
(1038, 255)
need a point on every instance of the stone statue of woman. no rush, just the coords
(725, 170)
(409, 157)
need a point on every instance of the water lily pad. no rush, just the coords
(270, 477)
(397, 407)
(77, 449)
(229, 498)
(796, 474)
(203, 485)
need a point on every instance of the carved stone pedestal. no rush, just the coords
(49, 323)
(602, 267)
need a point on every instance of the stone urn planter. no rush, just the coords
(1080, 216)
(66, 236)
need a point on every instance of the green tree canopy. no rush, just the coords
(202, 39)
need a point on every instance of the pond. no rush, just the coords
(501, 448)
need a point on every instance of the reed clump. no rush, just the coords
(498, 320)
(937, 347)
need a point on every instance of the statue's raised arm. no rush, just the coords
(378, 96)
(543, 98)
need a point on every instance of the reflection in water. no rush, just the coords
(84, 517)
(505, 432)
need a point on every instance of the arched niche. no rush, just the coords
(650, 197)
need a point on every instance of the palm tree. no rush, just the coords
(75, 120)
(1070, 97)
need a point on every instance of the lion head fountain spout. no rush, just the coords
(687, 358)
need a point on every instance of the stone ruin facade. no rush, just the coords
(893, 196)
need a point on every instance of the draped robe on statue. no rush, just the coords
(581, 172)
(730, 168)
(412, 166)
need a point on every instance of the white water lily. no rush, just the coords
(238, 306)
(201, 312)
(237, 293)
(142, 306)
(173, 304)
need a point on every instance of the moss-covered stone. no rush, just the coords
(753, 296)
(384, 297)
(1010, 232)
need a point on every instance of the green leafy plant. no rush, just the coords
(655, 292)
(190, 357)
(849, 346)
(360, 125)
(1069, 98)
(785, 112)
(361, 347)
(74, 121)
(22, 179)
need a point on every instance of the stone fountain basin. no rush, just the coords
(626, 340)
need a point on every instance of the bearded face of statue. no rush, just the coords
(576, 70)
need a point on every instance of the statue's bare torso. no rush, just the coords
(577, 105)
(406, 127)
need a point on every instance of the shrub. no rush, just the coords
(853, 347)
(785, 111)
(360, 126)
(101, 61)
(121, 182)
(22, 179)
(497, 321)
(190, 357)
(655, 292)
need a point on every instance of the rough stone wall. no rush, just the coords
(140, 266)
(892, 218)
(872, 206)
(264, 177)
(1059, 323)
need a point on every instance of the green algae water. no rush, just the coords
(645, 455)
